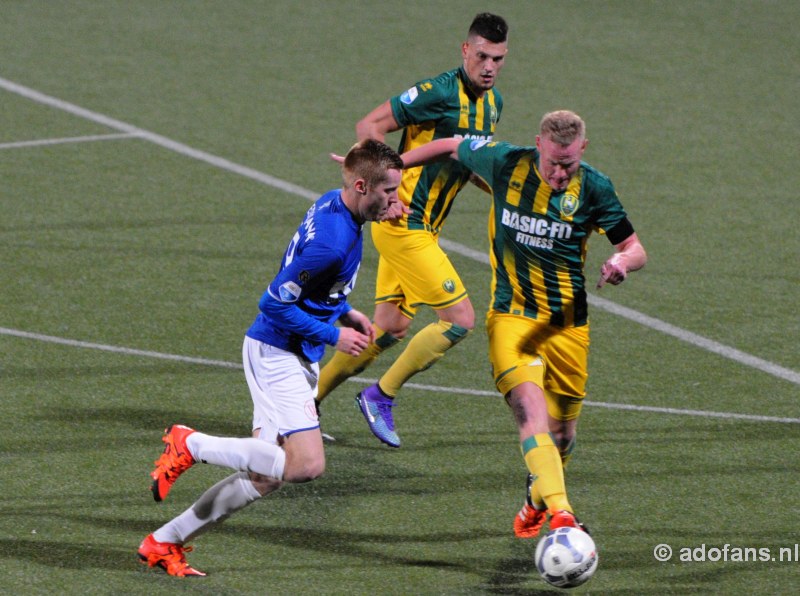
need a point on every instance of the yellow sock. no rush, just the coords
(425, 348)
(343, 366)
(544, 462)
(566, 455)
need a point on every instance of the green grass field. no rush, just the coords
(156, 157)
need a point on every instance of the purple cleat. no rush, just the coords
(377, 409)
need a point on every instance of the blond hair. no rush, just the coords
(562, 127)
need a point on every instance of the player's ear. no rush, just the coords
(360, 186)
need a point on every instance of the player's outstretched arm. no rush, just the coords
(431, 152)
(377, 123)
(630, 256)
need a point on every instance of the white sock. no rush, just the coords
(215, 505)
(246, 455)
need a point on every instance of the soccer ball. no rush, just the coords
(566, 557)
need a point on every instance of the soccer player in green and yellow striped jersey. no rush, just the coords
(412, 269)
(545, 204)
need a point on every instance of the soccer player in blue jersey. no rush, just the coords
(281, 352)
(413, 270)
(546, 203)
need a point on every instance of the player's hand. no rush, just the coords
(359, 321)
(396, 210)
(613, 271)
(351, 341)
(336, 157)
(480, 183)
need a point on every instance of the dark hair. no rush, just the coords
(489, 26)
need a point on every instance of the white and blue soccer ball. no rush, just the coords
(566, 557)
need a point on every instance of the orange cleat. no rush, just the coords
(563, 519)
(529, 521)
(175, 460)
(167, 555)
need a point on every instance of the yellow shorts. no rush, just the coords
(526, 350)
(413, 270)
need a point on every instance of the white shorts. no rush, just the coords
(283, 387)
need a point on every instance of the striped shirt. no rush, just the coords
(441, 107)
(539, 236)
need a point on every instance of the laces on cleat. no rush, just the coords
(563, 519)
(168, 556)
(174, 461)
(529, 521)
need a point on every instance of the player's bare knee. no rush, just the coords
(465, 319)
(461, 315)
(264, 484)
(398, 331)
(397, 325)
(305, 471)
(390, 319)
(303, 467)
(314, 470)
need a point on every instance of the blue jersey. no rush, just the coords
(309, 293)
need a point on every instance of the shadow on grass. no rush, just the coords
(66, 555)
(151, 419)
(362, 462)
(369, 550)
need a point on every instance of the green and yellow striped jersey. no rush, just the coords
(441, 107)
(537, 236)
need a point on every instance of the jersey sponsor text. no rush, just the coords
(535, 231)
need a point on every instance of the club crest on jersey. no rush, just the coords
(289, 292)
(493, 115)
(569, 205)
(409, 96)
(449, 286)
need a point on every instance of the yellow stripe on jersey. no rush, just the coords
(517, 180)
(492, 106)
(567, 296)
(463, 99)
(539, 292)
(434, 191)
(451, 194)
(509, 262)
(479, 114)
(543, 193)
(480, 109)
(542, 199)
(418, 134)
(492, 258)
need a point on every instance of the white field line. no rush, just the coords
(367, 381)
(157, 139)
(597, 302)
(62, 141)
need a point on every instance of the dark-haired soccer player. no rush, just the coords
(281, 351)
(546, 203)
(413, 270)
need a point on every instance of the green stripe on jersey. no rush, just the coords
(538, 236)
